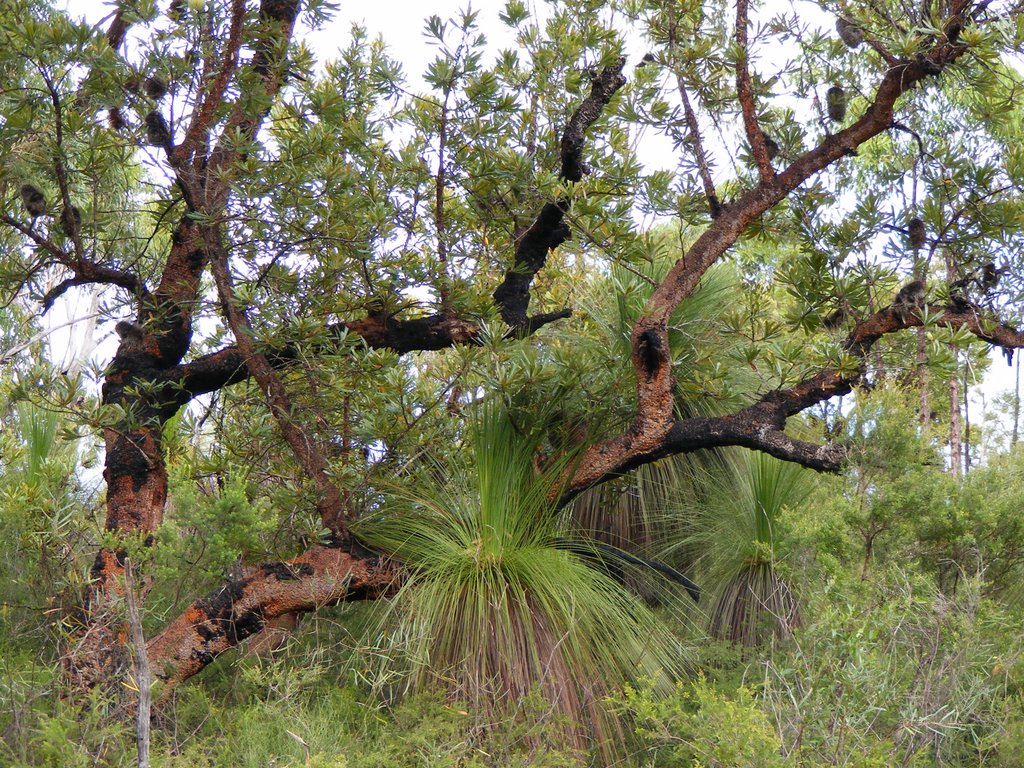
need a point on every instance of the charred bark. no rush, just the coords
(549, 229)
(653, 423)
(240, 609)
(143, 380)
(761, 426)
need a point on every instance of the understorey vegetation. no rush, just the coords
(621, 393)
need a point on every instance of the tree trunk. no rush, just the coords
(967, 423)
(955, 445)
(1016, 405)
(136, 492)
(925, 408)
(925, 415)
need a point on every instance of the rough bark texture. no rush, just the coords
(141, 377)
(240, 609)
(956, 449)
(149, 380)
(745, 95)
(653, 430)
(761, 426)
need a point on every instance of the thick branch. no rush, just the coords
(650, 335)
(761, 425)
(549, 229)
(217, 623)
(86, 271)
(117, 30)
(745, 93)
(208, 191)
(278, 22)
(169, 314)
(535, 322)
(423, 334)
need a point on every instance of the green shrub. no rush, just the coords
(702, 726)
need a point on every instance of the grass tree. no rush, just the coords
(734, 539)
(497, 608)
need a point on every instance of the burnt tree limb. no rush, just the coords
(761, 425)
(85, 271)
(240, 609)
(90, 273)
(549, 230)
(654, 418)
(420, 334)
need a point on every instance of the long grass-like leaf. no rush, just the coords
(495, 609)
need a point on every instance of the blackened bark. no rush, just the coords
(422, 334)
(240, 609)
(761, 426)
(549, 229)
(654, 415)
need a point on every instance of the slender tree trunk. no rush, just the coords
(924, 406)
(967, 424)
(1016, 405)
(869, 546)
(955, 443)
(143, 676)
(921, 359)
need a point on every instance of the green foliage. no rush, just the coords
(703, 726)
(366, 192)
(735, 538)
(495, 607)
(43, 522)
(895, 673)
(223, 529)
(335, 726)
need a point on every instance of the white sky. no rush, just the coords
(400, 23)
